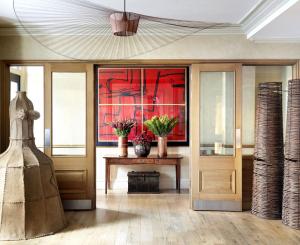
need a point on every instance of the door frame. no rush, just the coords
(81, 199)
(89, 201)
(211, 201)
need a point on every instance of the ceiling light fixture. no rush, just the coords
(85, 30)
(124, 23)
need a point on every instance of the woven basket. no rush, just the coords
(268, 154)
(291, 189)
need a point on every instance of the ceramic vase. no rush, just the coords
(142, 150)
(123, 146)
(162, 146)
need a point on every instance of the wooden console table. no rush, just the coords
(173, 160)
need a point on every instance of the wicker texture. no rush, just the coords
(291, 189)
(268, 154)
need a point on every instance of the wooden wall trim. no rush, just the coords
(158, 62)
(4, 104)
(1, 104)
(296, 70)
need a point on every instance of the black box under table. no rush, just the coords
(143, 182)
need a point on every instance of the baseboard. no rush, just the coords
(165, 183)
(217, 205)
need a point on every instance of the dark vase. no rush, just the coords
(142, 150)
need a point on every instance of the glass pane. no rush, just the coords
(252, 76)
(68, 113)
(217, 113)
(31, 80)
(13, 89)
(248, 109)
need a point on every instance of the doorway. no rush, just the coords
(216, 158)
(64, 96)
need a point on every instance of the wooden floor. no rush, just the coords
(164, 219)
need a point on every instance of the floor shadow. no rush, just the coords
(94, 218)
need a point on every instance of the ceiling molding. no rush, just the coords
(263, 14)
(278, 40)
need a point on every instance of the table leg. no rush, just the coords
(108, 176)
(178, 170)
(105, 181)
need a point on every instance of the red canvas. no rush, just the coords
(179, 132)
(119, 86)
(164, 86)
(108, 113)
(140, 93)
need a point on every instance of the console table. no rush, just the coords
(171, 159)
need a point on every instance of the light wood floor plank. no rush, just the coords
(164, 219)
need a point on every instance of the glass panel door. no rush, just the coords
(69, 113)
(70, 131)
(217, 113)
(216, 137)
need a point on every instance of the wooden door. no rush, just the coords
(4, 105)
(216, 158)
(69, 131)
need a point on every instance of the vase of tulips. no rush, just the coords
(122, 129)
(161, 126)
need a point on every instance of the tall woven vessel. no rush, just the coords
(268, 154)
(291, 188)
(30, 202)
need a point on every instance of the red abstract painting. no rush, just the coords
(179, 111)
(164, 86)
(108, 113)
(141, 93)
(119, 86)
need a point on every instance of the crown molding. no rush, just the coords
(278, 40)
(264, 13)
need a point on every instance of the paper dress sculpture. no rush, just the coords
(30, 205)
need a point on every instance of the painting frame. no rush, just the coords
(97, 67)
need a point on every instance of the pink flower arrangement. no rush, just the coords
(122, 127)
(142, 139)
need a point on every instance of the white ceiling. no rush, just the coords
(249, 14)
(204, 10)
(231, 11)
(284, 27)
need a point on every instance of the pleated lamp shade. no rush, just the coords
(124, 23)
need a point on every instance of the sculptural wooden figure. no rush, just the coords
(30, 204)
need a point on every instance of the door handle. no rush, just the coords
(238, 140)
(47, 137)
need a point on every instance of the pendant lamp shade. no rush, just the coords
(124, 24)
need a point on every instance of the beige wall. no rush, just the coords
(194, 47)
(252, 76)
(119, 174)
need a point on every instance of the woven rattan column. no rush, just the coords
(291, 188)
(268, 154)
